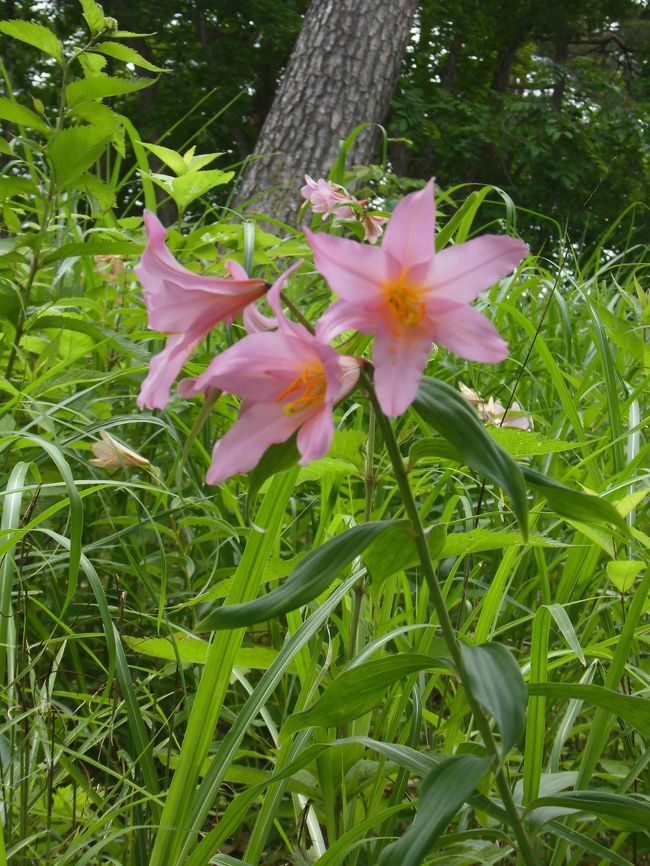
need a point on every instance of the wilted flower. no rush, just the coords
(111, 267)
(289, 381)
(110, 453)
(184, 305)
(409, 297)
(493, 411)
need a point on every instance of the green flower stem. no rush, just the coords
(359, 588)
(448, 631)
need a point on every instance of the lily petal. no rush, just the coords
(240, 449)
(409, 234)
(461, 272)
(354, 271)
(399, 363)
(163, 369)
(256, 368)
(315, 435)
(342, 316)
(469, 334)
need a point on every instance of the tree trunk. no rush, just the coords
(341, 73)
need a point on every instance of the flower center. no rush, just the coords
(306, 389)
(405, 304)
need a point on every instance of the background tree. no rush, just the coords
(342, 72)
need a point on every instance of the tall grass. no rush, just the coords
(131, 736)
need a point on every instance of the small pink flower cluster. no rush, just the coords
(403, 293)
(331, 199)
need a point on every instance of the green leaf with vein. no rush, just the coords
(494, 677)
(357, 690)
(396, 551)
(12, 186)
(573, 504)
(624, 572)
(35, 35)
(311, 577)
(72, 151)
(442, 407)
(169, 157)
(191, 650)
(188, 187)
(93, 15)
(443, 792)
(619, 810)
(524, 443)
(127, 55)
(633, 709)
(17, 113)
(103, 87)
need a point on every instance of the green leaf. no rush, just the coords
(34, 34)
(623, 573)
(72, 151)
(634, 710)
(395, 550)
(190, 650)
(442, 407)
(9, 303)
(276, 458)
(169, 157)
(127, 55)
(443, 792)
(92, 64)
(310, 577)
(357, 690)
(93, 16)
(624, 811)
(524, 443)
(188, 187)
(12, 186)
(622, 333)
(102, 87)
(571, 503)
(95, 188)
(97, 113)
(17, 113)
(494, 678)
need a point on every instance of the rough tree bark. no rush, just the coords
(342, 72)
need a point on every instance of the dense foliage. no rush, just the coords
(547, 101)
(143, 724)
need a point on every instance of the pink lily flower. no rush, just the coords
(327, 198)
(289, 381)
(410, 297)
(184, 305)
